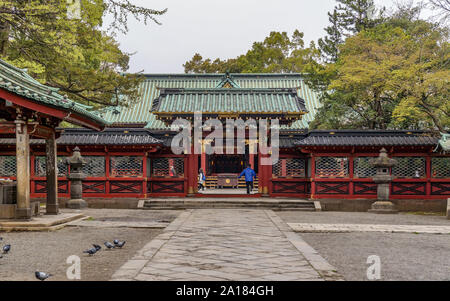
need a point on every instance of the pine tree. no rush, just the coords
(358, 15)
(349, 17)
(329, 45)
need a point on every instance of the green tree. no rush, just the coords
(278, 53)
(422, 83)
(358, 15)
(394, 75)
(72, 53)
(348, 17)
(329, 45)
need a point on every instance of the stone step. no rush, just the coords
(294, 209)
(162, 204)
(175, 203)
(228, 207)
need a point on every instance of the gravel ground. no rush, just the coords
(48, 251)
(328, 217)
(403, 256)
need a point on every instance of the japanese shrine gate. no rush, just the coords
(132, 158)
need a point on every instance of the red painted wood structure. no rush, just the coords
(135, 163)
(133, 157)
(29, 109)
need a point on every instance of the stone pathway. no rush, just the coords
(216, 245)
(341, 228)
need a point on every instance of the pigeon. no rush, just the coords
(42, 276)
(116, 241)
(6, 249)
(120, 244)
(91, 251)
(97, 247)
(109, 245)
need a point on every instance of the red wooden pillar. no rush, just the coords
(192, 173)
(32, 169)
(260, 175)
(428, 175)
(203, 160)
(172, 173)
(186, 173)
(144, 171)
(195, 179)
(252, 160)
(313, 176)
(283, 167)
(107, 172)
(266, 175)
(350, 166)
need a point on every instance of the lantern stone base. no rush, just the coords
(383, 207)
(76, 204)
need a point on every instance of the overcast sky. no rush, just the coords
(217, 28)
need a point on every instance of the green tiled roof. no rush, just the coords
(150, 90)
(19, 82)
(274, 102)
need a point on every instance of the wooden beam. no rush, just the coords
(48, 110)
(34, 130)
(8, 128)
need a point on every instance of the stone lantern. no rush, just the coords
(383, 178)
(76, 176)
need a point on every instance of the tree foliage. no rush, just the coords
(394, 75)
(348, 17)
(358, 15)
(372, 71)
(329, 45)
(278, 53)
(72, 53)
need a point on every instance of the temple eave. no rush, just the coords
(283, 117)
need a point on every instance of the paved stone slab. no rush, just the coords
(342, 228)
(41, 223)
(225, 244)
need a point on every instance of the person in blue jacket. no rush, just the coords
(201, 179)
(249, 174)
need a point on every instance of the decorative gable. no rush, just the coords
(227, 82)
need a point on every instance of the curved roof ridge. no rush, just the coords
(19, 82)
(169, 75)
